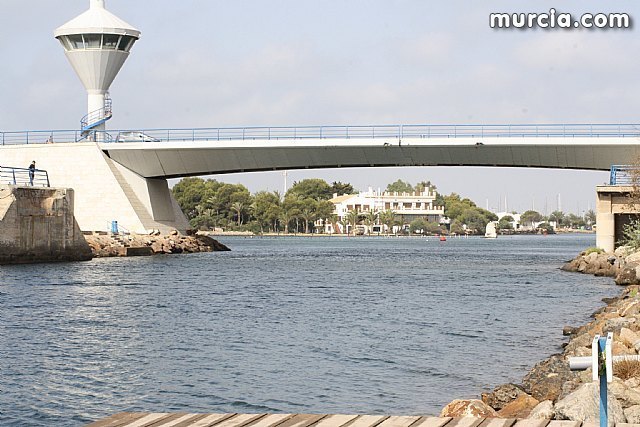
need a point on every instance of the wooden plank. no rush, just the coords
(498, 422)
(532, 423)
(367, 420)
(148, 419)
(179, 419)
(271, 420)
(213, 418)
(302, 420)
(432, 422)
(555, 423)
(465, 422)
(399, 421)
(210, 420)
(117, 419)
(239, 420)
(337, 420)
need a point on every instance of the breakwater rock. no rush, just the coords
(108, 245)
(623, 265)
(552, 391)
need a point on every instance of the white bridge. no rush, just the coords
(125, 179)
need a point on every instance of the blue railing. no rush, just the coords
(624, 175)
(23, 177)
(335, 132)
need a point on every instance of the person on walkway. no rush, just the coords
(32, 172)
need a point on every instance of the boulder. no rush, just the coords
(627, 276)
(544, 411)
(581, 405)
(626, 395)
(633, 414)
(631, 309)
(545, 380)
(616, 324)
(468, 408)
(502, 395)
(519, 408)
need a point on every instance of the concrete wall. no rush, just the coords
(37, 225)
(104, 190)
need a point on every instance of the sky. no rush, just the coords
(223, 63)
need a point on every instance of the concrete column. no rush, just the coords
(605, 221)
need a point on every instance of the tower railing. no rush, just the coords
(333, 132)
(97, 117)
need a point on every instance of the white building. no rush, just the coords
(406, 206)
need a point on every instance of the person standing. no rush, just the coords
(32, 172)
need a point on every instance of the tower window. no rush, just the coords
(76, 41)
(92, 41)
(110, 41)
(126, 42)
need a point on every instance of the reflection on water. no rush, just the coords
(348, 325)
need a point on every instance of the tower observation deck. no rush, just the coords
(97, 43)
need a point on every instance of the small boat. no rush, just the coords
(443, 239)
(490, 231)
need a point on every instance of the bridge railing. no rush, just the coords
(22, 177)
(624, 175)
(334, 132)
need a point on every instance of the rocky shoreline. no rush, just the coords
(551, 390)
(109, 245)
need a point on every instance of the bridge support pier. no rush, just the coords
(614, 209)
(105, 191)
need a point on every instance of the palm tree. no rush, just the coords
(238, 208)
(388, 218)
(352, 218)
(307, 214)
(370, 220)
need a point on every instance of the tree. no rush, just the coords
(238, 208)
(340, 188)
(558, 217)
(313, 188)
(400, 187)
(353, 217)
(505, 223)
(418, 225)
(530, 217)
(265, 209)
(388, 218)
(370, 219)
(423, 186)
(308, 213)
(590, 217)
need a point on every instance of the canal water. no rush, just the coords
(320, 325)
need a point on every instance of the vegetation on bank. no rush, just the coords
(210, 204)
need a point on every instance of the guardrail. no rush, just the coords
(333, 132)
(24, 177)
(624, 175)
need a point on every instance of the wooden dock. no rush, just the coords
(130, 419)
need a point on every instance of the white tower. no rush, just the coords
(97, 43)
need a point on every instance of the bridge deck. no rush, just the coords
(129, 419)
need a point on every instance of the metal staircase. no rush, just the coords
(94, 119)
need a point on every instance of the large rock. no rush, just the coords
(582, 405)
(633, 414)
(545, 380)
(502, 395)
(544, 411)
(519, 408)
(468, 408)
(626, 395)
(627, 275)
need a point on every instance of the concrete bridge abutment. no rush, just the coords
(105, 191)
